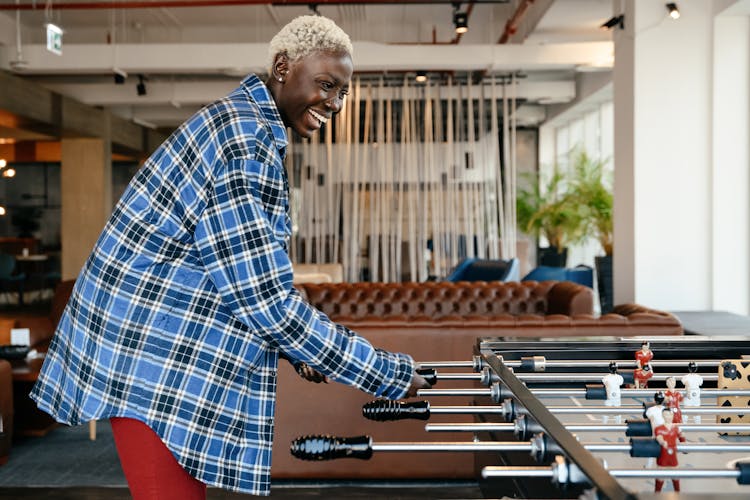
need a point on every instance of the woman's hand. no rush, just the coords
(417, 382)
(309, 373)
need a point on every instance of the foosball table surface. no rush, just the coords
(513, 361)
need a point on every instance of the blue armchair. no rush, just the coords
(10, 282)
(583, 275)
(474, 269)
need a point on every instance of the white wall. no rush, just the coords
(681, 185)
(731, 158)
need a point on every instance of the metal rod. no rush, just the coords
(596, 363)
(526, 446)
(446, 364)
(581, 363)
(496, 471)
(465, 410)
(574, 392)
(447, 446)
(510, 427)
(593, 377)
(619, 410)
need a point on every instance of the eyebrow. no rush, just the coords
(335, 79)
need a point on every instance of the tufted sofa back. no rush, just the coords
(439, 300)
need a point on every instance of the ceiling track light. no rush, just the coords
(119, 76)
(674, 12)
(460, 19)
(421, 77)
(141, 86)
(461, 22)
(618, 21)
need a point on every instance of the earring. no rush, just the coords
(281, 79)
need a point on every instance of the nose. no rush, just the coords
(335, 104)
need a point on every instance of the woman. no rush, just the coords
(179, 316)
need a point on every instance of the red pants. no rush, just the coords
(150, 468)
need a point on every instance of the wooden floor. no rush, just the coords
(327, 492)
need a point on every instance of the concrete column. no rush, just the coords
(86, 192)
(663, 88)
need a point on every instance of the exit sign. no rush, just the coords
(54, 39)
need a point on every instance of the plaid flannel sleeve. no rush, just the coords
(241, 248)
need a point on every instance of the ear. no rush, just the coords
(280, 66)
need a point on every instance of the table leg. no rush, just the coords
(92, 430)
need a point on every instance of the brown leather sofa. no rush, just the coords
(434, 321)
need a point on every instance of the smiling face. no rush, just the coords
(311, 89)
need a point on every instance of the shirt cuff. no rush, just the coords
(397, 379)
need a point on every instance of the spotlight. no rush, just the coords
(674, 12)
(9, 172)
(421, 76)
(618, 21)
(461, 22)
(119, 76)
(2, 210)
(141, 87)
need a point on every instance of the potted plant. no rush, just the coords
(591, 186)
(547, 207)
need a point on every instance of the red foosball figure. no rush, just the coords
(673, 398)
(645, 355)
(667, 435)
(642, 375)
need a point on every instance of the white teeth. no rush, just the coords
(322, 119)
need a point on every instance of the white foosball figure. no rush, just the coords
(655, 416)
(692, 382)
(654, 413)
(612, 383)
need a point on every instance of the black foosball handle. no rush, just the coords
(594, 391)
(317, 448)
(644, 447)
(429, 374)
(382, 410)
(744, 476)
(639, 427)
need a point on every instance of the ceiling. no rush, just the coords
(192, 55)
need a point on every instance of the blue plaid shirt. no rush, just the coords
(179, 314)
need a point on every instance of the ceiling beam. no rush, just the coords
(201, 92)
(241, 58)
(30, 106)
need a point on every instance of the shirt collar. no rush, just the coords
(262, 97)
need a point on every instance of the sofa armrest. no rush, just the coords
(570, 299)
(645, 317)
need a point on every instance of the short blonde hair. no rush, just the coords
(307, 34)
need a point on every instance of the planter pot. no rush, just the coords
(550, 256)
(604, 281)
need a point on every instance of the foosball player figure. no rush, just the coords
(654, 411)
(692, 382)
(644, 355)
(641, 375)
(667, 435)
(612, 383)
(673, 398)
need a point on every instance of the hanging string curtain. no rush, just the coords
(410, 180)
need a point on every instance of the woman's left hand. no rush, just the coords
(309, 373)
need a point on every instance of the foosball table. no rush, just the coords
(569, 419)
